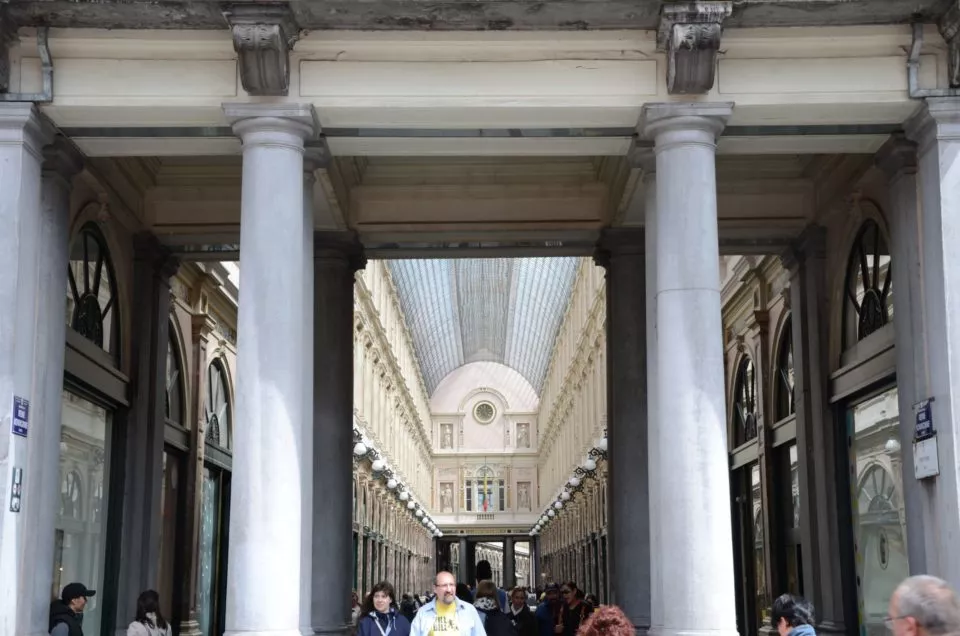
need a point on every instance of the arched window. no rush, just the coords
(92, 291)
(869, 286)
(878, 500)
(216, 407)
(784, 389)
(745, 402)
(174, 383)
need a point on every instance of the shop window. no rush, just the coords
(869, 285)
(216, 406)
(788, 504)
(752, 598)
(745, 402)
(92, 291)
(880, 532)
(173, 410)
(80, 531)
(784, 388)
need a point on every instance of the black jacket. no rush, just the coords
(524, 621)
(60, 613)
(496, 623)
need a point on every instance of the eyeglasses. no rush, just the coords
(890, 620)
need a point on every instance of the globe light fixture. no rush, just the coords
(359, 449)
(551, 513)
(411, 505)
(419, 513)
(392, 483)
(602, 444)
(558, 505)
(378, 465)
(404, 495)
(565, 496)
(590, 465)
(574, 481)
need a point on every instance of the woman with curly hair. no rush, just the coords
(607, 620)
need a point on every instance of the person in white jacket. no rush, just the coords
(149, 620)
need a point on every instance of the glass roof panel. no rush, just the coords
(501, 310)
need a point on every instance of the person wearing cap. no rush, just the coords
(66, 613)
(549, 611)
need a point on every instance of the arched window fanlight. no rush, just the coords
(869, 285)
(92, 291)
(785, 378)
(174, 384)
(745, 402)
(216, 407)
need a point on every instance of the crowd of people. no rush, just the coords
(920, 606)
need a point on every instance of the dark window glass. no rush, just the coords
(785, 379)
(216, 407)
(745, 404)
(869, 286)
(92, 291)
(174, 384)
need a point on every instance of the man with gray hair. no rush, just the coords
(924, 606)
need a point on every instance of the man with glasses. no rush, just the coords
(923, 606)
(446, 615)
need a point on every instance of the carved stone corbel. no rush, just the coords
(949, 26)
(263, 35)
(690, 34)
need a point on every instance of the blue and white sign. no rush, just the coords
(21, 416)
(924, 424)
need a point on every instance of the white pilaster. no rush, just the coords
(264, 586)
(306, 467)
(935, 320)
(22, 136)
(693, 510)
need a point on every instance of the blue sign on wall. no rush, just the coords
(21, 416)
(924, 426)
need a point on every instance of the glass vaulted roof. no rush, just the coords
(505, 310)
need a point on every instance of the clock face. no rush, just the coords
(484, 412)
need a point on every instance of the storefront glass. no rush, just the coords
(81, 520)
(880, 531)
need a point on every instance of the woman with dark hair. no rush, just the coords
(575, 610)
(149, 620)
(608, 620)
(495, 622)
(379, 615)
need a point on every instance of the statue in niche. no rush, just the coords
(446, 436)
(523, 436)
(446, 497)
(523, 496)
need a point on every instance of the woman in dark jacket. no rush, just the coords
(495, 622)
(379, 615)
(520, 615)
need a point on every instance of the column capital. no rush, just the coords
(642, 156)
(148, 248)
(897, 156)
(61, 159)
(811, 243)
(21, 122)
(937, 119)
(685, 117)
(344, 246)
(269, 124)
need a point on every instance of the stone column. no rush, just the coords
(143, 465)
(935, 371)
(265, 529)
(61, 163)
(310, 165)
(898, 160)
(622, 252)
(463, 576)
(819, 526)
(337, 257)
(693, 500)
(509, 565)
(22, 137)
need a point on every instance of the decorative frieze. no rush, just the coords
(263, 35)
(690, 33)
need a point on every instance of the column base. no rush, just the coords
(190, 628)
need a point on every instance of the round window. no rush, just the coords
(484, 412)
